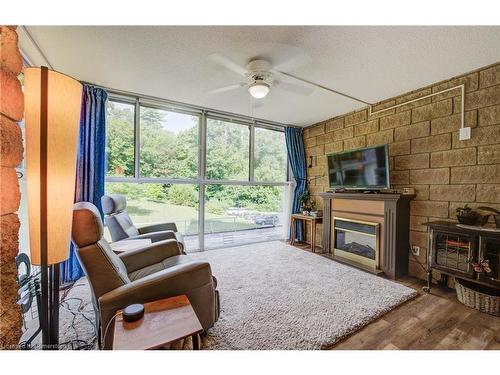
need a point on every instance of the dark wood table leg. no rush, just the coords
(196, 341)
(313, 236)
(303, 223)
(292, 239)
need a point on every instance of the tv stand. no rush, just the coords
(388, 211)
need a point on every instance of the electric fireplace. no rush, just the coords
(356, 242)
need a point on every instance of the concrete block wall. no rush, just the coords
(11, 153)
(425, 152)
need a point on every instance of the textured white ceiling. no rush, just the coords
(371, 63)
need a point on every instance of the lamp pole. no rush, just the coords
(54, 285)
(49, 273)
(44, 282)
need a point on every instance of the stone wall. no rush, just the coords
(11, 153)
(424, 149)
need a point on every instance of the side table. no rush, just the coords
(304, 219)
(165, 321)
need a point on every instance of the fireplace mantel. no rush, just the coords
(391, 211)
(366, 196)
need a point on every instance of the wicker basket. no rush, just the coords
(475, 296)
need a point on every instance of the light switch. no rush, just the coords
(464, 134)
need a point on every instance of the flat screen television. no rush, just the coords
(364, 169)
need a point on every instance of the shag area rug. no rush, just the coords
(275, 296)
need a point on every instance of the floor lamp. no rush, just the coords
(52, 115)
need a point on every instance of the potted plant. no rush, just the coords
(466, 215)
(496, 215)
(303, 202)
(314, 212)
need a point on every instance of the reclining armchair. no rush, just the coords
(121, 226)
(138, 276)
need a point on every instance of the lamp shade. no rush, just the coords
(52, 116)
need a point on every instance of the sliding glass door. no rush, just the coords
(246, 178)
(222, 181)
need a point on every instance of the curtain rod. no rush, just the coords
(182, 105)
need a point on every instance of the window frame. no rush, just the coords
(271, 128)
(249, 125)
(201, 180)
(131, 102)
(137, 140)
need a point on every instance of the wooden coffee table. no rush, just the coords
(165, 321)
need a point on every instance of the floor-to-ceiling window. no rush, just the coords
(222, 181)
(245, 168)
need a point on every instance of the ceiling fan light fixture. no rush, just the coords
(259, 89)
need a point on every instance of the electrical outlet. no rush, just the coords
(464, 134)
(415, 250)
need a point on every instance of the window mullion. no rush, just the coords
(251, 159)
(137, 140)
(202, 158)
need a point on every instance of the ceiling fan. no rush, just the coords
(260, 78)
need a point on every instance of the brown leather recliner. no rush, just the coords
(154, 272)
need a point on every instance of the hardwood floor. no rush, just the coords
(429, 321)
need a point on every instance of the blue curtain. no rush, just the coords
(91, 164)
(297, 158)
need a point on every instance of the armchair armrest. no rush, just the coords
(174, 281)
(160, 227)
(155, 236)
(151, 254)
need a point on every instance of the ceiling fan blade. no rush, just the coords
(226, 88)
(228, 64)
(294, 88)
(293, 63)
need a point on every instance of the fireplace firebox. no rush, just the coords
(356, 242)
